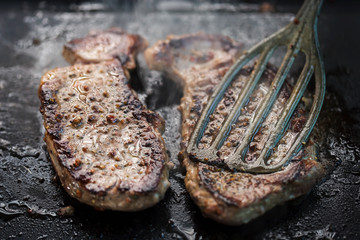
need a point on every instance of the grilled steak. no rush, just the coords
(105, 45)
(106, 147)
(198, 62)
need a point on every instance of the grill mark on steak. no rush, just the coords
(227, 196)
(105, 145)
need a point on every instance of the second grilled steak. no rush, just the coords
(106, 147)
(198, 62)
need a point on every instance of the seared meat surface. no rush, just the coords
(198, 62)
(105, 145)
(105, 45)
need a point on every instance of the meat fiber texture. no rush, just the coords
(198, 62)
(105, 146)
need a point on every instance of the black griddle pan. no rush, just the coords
(31, 37)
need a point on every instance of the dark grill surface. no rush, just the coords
(31, 38)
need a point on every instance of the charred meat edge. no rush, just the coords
(295, 180)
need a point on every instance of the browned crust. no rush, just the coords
(210, 186)
(148, 191)
(114, 200)
(296, 180)
(112, 43)
(161, 58)
(114, 56)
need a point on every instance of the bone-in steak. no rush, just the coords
(198, 62)
(106, 147)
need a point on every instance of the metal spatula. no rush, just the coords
(299, 36)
